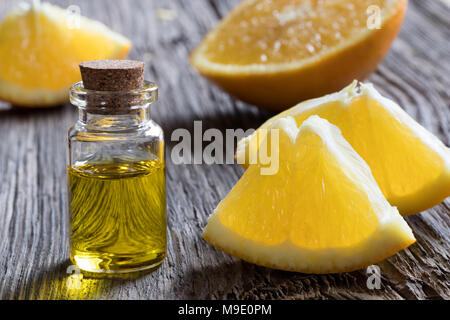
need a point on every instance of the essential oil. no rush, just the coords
(117, 215)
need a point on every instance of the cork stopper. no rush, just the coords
(114, 81)
(112, 75)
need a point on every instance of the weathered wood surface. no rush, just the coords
(33, 230)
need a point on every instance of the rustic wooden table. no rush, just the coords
(33, 232)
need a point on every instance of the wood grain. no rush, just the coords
(33, 230)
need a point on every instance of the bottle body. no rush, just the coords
(117, 194)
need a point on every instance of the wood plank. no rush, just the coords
(33, 200)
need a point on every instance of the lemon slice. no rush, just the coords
(322, 212)
(275, 54)
(411, 165)
(40, 49)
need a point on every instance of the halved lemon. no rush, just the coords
(275, 54)
(410, 164)
(41, 46)
(322, 212)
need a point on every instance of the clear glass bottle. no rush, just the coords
(116, 177)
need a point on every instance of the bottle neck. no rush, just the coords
(113, 110)
(134, 119)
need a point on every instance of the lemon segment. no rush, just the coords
(40, 49)
(411, 165)
(275, 54)
(322, 212)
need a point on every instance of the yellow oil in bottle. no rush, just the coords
(117, 215)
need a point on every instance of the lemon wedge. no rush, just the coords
(410, 164)
(40, 49)
(322, 212)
